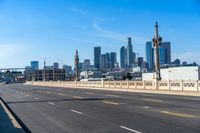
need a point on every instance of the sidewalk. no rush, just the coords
(8, 124)
(178, 93)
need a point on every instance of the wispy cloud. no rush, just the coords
(14, 55)
(9, 50)
(114, 35)
(77, 10)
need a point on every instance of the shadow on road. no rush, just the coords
(60, 100)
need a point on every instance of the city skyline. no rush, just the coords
(36, 30)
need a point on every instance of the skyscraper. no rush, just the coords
(130, 58)
(103, 61)
(140, 61)
(97, 54)
(122, 57)
(149, 55)
(167, 46)
(35, 65)
(107, 60)
(56, 65)
(162, 55)
(113, 59)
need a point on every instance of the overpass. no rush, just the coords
(12, 69)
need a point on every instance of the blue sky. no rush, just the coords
(54, 29)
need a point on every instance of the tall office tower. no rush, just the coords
(162, 55)
(67, 69)
(134, 57)
(130, 58)
(126, 59)
(107, 60)
(86, 62)
(150, 55)
(103, 61)
(122, 57)
(86, 65)
(140, 61)
(56, 65)
(167, 46)
(35, 65)
(113, 59)
(97, 54)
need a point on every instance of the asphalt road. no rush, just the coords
(61, 110)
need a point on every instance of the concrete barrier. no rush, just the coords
(143, 85)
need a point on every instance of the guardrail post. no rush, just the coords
(75, 83)
(197, 85)
(114, 84)
(169, 85)
(128, 84)
(144, 85)
(135, 84)
(120, 84)
(102, 83)
(182, 85)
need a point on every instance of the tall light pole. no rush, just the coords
(156, 43)
(44, 76)
(76, 66)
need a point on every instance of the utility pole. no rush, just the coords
(44, 77)
(76, 66)
(157, 42)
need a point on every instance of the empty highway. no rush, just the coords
(73, 110)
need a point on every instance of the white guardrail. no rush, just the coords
(151, 85)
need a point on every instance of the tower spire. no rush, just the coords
(156, 42)
(76, 66)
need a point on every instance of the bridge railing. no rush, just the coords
(148, 85)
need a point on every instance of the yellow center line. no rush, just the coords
(48, 92)
(111, 95)
(90, 93)
(61, 94)
(153, 100)
(77, 97)
(178, 114)
(112, 103)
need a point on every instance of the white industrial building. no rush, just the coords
(176, 73)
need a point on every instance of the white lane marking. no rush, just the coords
(111, 95)
(126, 128)
(36, 98)
(192, 99)
(147, 95)
(27, 95)
(78, 112)
(51, 103)
(146, 107)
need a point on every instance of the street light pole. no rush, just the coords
(157, 42)
(44, 78)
